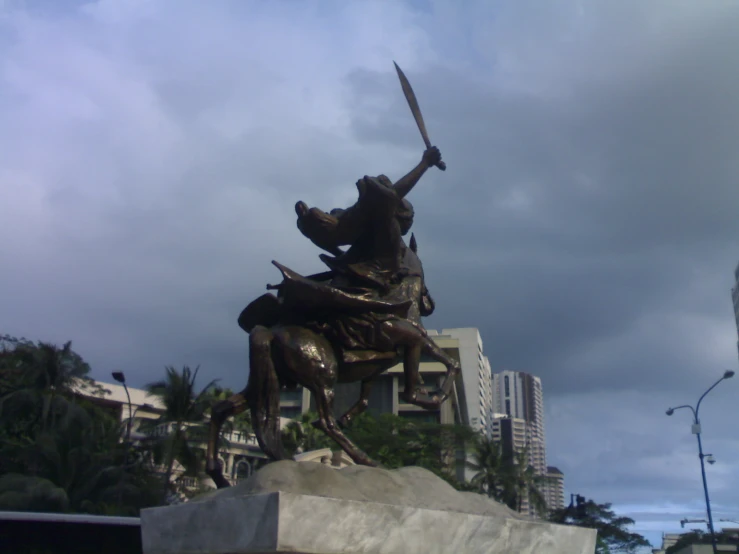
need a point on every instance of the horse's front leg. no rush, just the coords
(360, 406)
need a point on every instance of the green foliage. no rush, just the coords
(613, 533)
(506, 478)
(394, 442)
(25, 493)
(59, 452)
(300, 436)
(391, 440)
(240, 422)
(184, 414)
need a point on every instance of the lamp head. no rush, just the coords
(670, 411)
(118, 376)
(728, 374)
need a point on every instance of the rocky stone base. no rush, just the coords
(297, 508)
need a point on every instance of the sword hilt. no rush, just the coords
(441, 165)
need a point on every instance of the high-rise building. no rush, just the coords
(519, 395)
(735, 300)
(554, 489)
(518, 423)
(510, 432)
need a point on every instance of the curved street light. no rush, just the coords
(121, 378)
(697, 432)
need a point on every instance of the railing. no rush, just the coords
(233, 437)
(63, 533)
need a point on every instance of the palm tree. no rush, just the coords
(300, 436)
(506, 477)
(489, 464)
(184, 413)
(527, 483)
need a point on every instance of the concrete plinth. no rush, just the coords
(313, 509)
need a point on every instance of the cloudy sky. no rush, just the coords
(151, 152)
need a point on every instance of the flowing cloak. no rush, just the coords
(350, 317)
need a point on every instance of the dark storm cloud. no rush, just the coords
(572, 220)
(586, 224)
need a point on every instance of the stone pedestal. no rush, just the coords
(314, 509)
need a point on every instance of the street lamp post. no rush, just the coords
(697, 432)
(121, 378)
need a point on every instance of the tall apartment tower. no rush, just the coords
(512, 435)
(477, 387)
(735, 301)
(518, 395)
(554, 492)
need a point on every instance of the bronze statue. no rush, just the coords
(349, 324)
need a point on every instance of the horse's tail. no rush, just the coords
(263, 394)
(219, 413)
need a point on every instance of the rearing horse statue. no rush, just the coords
(349, 324)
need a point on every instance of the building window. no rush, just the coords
(508, 407)
(507, 386)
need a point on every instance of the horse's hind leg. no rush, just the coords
(360, 406)
(432, 400)
(453, 367)
(328, 425)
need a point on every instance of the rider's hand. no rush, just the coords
(432, 156)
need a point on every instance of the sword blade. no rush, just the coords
(410, 96)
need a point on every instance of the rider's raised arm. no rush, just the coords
(431, 157)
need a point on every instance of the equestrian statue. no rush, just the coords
(349, 324)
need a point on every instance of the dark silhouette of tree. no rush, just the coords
(613, 534)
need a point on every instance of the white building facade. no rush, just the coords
(476, 376)
(519, 395)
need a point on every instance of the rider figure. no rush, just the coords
(377, 264)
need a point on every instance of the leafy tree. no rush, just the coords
(613, 534)
(183, 420)
(392, 441)
(300, 436)
(58, 451)
(37, 383)
(395, 441)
